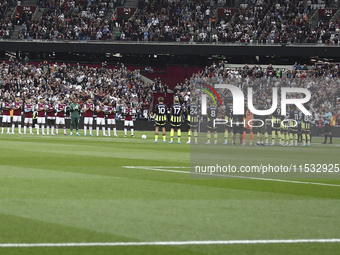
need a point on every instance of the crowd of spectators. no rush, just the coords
(183, 21)
(70, 20)
(257, 21)
(6, 22)
(54, 81)
(166, 20)
(326, 32)
(263, 22)
(323, 83)
(59, 80)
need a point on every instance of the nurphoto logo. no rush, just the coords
(238, 100)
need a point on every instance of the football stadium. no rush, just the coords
(169, 127)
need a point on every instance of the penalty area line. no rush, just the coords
(161, 169)
(169, 243)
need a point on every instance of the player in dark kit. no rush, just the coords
(238, 127)
(305, 127)
(284, 129)
(176, 112)
(160, 111)
(276, 122)
(299, 129)
(212, 115)
(293, 129)
(193, 111)
(262, 126)
(229, 121)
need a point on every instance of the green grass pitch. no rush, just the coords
(68, 189)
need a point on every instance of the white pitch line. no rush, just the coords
(169, 243)
(156, 169)
(186, 167)
(231, 176)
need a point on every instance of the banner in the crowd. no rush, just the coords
(125, 12)
(225, 13)
(26, 8)
(327, 12)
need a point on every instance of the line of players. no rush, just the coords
(283, 127)
(55, 113)
(161, 111)
(287, 133)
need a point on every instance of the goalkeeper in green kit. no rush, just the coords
(75, 111)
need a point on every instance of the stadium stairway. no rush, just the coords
(11, 10)
(127, 3)
(333, 4)
(108, 16)
(336, 16)
(130, 3)
(38, 12)
(29, 2)
(15, 32)
(147, 80)
(314, 19)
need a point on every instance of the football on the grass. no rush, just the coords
(144, 137)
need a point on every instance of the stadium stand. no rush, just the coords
(322, 82)
(58, 80)
(265, 22)
(176, 21)
(251, 22)
(6, 21)
(325, 32)
(120, 84)
(71, 20)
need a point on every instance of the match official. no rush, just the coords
(328, 132)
